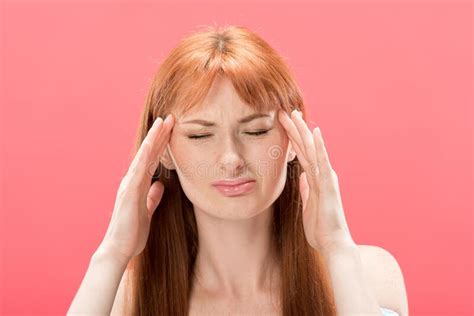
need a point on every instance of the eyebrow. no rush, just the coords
(245, 119)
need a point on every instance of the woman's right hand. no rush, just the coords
(137, 198)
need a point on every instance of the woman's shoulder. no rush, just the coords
(377, 253)
(385, 276)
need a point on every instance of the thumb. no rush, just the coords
(154, 197)
(304, 189)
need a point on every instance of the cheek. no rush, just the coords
(268, 159)
(276, 148)
(192, 160)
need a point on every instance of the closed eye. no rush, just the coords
(198, 136)
(257, 133)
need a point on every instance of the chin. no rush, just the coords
(235, 208)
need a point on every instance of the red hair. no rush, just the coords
(162, 275)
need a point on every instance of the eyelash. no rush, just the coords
(258, 133)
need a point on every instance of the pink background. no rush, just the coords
(389, 83)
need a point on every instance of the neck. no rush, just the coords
(236, 258)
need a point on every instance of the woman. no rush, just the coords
(230, 204)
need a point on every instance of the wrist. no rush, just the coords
(108, 254)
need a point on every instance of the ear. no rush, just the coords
(291, 153)
(166, 160)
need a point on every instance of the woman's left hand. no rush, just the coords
(324, 222)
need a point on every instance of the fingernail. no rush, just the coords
(158, 120)
(295, 111)
(168, 117)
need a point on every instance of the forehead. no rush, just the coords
(222, 101)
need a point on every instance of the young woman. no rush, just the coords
(231, 205)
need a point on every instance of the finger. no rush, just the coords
(306, 137)
(304, 189)
(323, 158)
(291, 129)
(292, 132)
(153, 165)
(162, 138)
(154, 197)
(141, 159)
(312, 168)
(299, 153)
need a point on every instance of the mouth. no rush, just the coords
(235, 187)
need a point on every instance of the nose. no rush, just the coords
(231, 162)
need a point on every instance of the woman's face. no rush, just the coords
(219, 145)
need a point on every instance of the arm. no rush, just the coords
(127, 234)
(324, 221)
(353, 296)
(99, 287)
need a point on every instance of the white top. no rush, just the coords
(388, 312)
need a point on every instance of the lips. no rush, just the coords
(231, 182)
(234, 187)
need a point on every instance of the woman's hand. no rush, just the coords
(137, 198)
(324, 222)
(323, 215)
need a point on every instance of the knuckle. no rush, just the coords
(121, 192)
(313, 169)
(146, 146)
(123, 186)
(134, 187)
(331, 183)
(134, 167)
(151, 167)
(326, 176)
(328, 182)
(127, 183)
(124, 180)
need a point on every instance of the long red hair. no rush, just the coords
(161, 277)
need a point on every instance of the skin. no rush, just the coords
(128, 229)
(235, 269)
(235, 263)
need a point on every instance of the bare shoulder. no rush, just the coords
(384, 274)
(122, 297)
